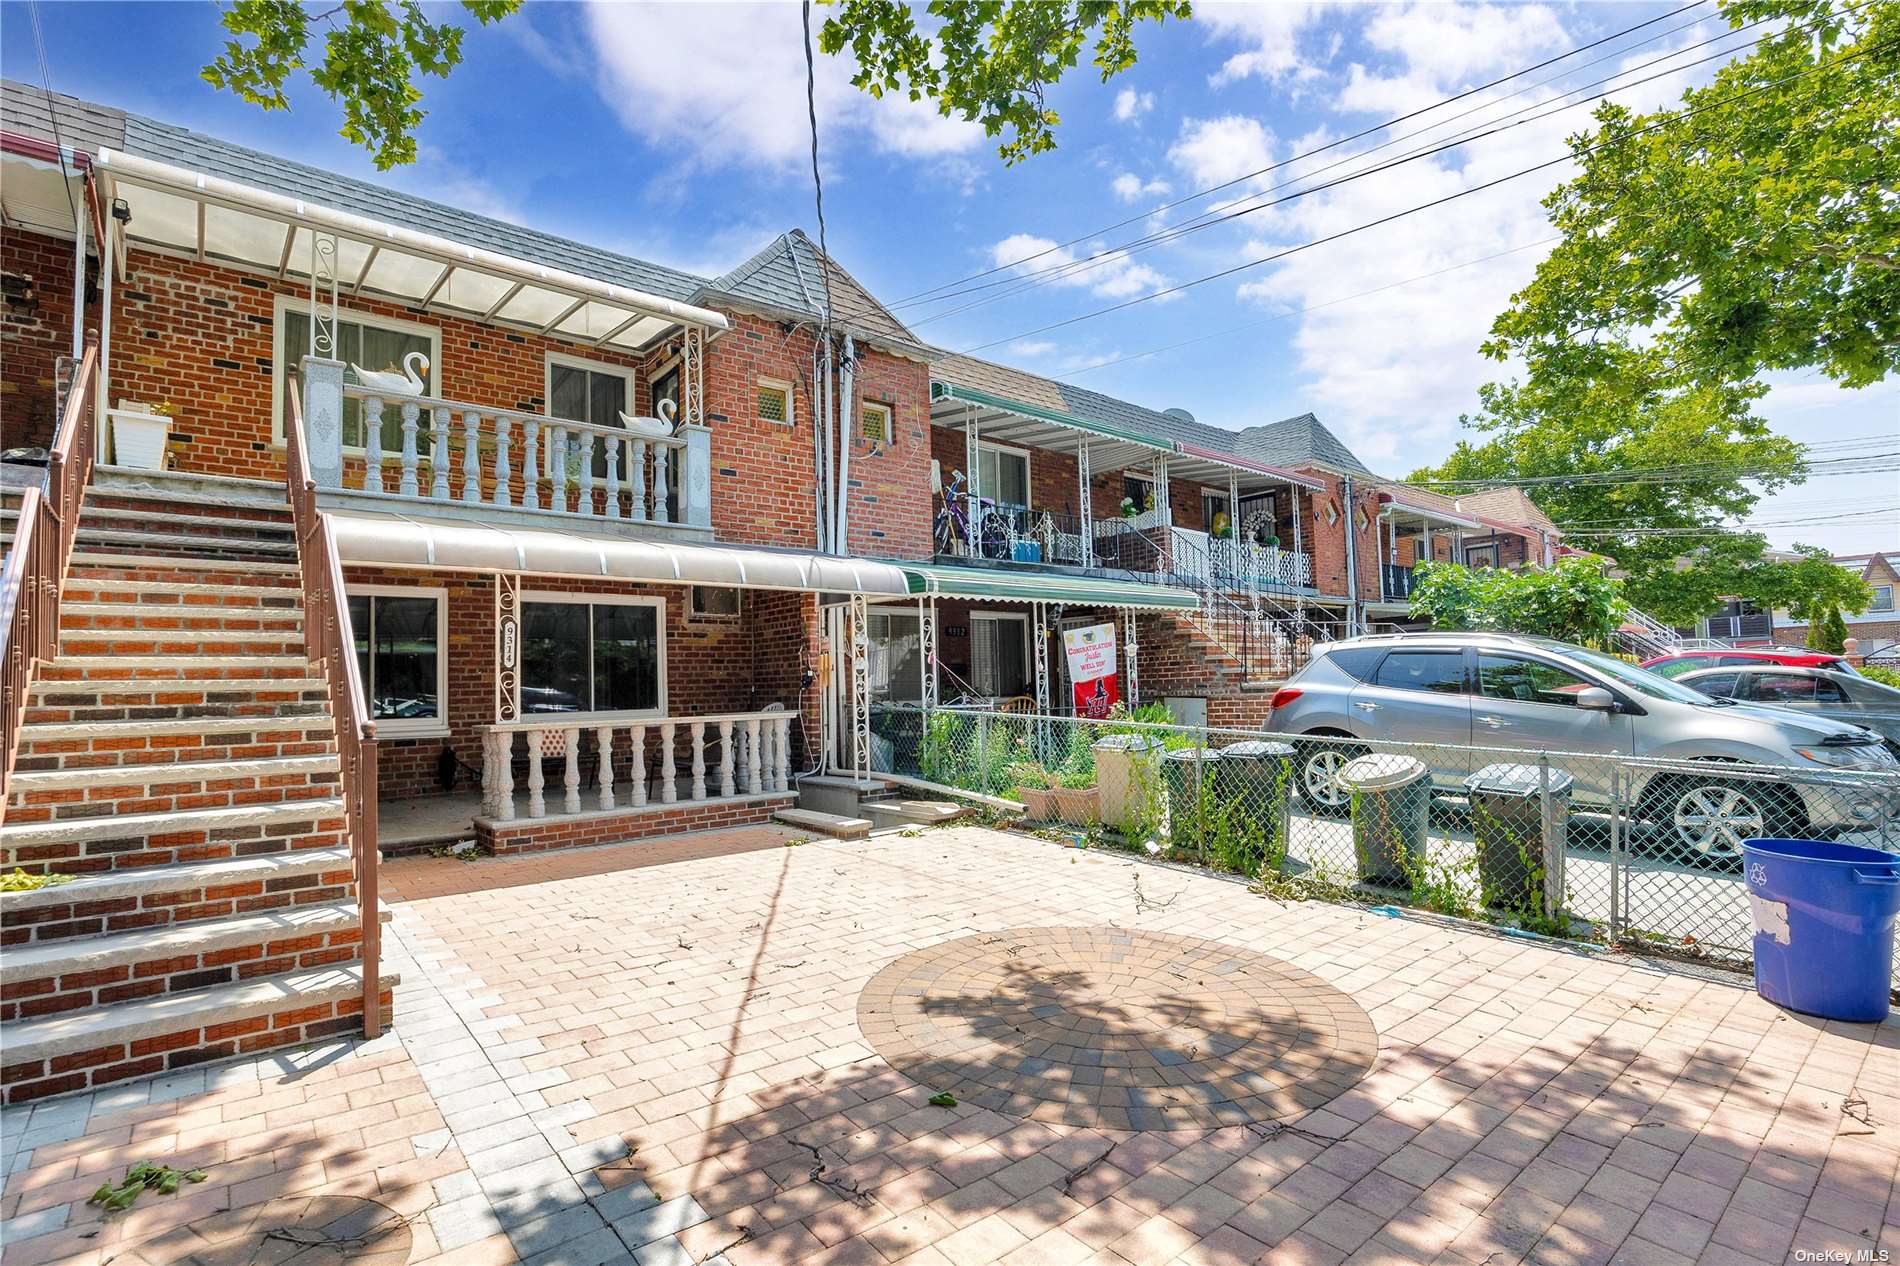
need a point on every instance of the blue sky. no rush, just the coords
(678, 133)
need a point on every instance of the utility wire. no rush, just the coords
(1344, 140)
(1426, 206)
(52, 114)
(1227, 212)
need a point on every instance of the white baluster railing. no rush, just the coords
(573, 468)
(753, 757)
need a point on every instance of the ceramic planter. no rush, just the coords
(138, 439)
(1039, 803)
(1076, 804)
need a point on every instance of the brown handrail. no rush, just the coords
(329, 640)
(35, 571)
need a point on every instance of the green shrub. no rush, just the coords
(1885, 676)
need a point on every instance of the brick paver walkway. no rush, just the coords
(602, 1061)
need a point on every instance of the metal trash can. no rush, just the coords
(1824, 916)
(1128, 781)
(1183, 773)
(1391, 807)
(1255, 782)
(1519, 849)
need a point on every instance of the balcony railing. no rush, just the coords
(1016, 533)
(1242, 566)
(1396, 581)
(457, 453)
(731, 754)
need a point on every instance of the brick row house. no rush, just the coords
(348, 509)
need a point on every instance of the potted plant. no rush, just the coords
(1032, 788)
(1074, 793)
(1129, 508)
(139, 434)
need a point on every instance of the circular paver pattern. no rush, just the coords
(1116, 1029)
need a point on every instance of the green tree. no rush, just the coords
(1827, 631)
(1573, 601)
(372, 53)
(990, 61)
(1751, 228)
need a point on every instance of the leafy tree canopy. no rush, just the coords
(1754, 230)
(990, 61)
(372, 53)
(1573, 600)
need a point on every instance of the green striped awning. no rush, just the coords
(1028, 586)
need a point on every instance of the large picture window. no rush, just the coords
(600, 655)
(400, 634)
(373, 342)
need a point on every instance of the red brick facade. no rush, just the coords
(36, 329)
(619, 825)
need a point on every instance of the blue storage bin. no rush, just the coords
(1824, 915)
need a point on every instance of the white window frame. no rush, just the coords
(599, 600)
(626, 373)
(791, 401)
(1874, 607)
(1021, 621)
(412, 727)
(279, 355)
(890, 421)
(882, 658)
(694, 613)
(1029, 469)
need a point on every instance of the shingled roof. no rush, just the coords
(788, 278)
(83, 125)
(1506, 505)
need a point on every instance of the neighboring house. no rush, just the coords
(1877, 628)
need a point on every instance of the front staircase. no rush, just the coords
(178, 759)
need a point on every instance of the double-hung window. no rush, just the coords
(586, 391)
(603, 655)
(401, 635)
(372, 342)
(1005, 475)
(897, 660)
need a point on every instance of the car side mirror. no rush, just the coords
(1596, 698)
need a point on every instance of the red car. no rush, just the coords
(1728, 657)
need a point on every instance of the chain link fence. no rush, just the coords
(1632, 851)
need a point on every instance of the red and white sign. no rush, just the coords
(1091, 654)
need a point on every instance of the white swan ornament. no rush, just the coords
(652, 428)
(408, 383)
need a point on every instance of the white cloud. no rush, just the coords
(1131, 105)
(1114, 275)
(743, 100)
(1031, 348)
(1216, 151)
(1449, 42)
(1132, 188)
(1269, 31)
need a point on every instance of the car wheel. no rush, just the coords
(1320, 788)
(1707, 821)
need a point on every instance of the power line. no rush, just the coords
(1425, 206)
(1345, 140)
(1226, 212)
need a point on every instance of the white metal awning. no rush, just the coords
(366, 538)
(208, 217)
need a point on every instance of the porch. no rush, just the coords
(1415, 526)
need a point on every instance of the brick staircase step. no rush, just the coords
(178, 637)
(111, 516)
(103, 1044)
(118, 686)
(142, 825)
(184, 940)
(308, 717)
(91, 535)
(145, 895)
(180, 593)
(161, 562)
(148, 610)
(26, 781)
(85, 665)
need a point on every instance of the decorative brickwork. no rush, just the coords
(35, 331)
(617, 826)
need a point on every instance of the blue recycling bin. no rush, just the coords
(1824, 915)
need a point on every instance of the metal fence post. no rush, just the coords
(1617, 824)
(1200, 799)
(1555, 834)
(982, 773)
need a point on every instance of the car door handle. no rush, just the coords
(1366, 706)
(1496, 723)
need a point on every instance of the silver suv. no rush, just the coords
(1462, 691)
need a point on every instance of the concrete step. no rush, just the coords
(289, 572)
(174, 488)
(145, 610)
(276, 638)
(181, 892)
(121, 686)
(179, 593)
(180, 541)
(191, 1026)
(825, 823)
(310, 716)
(104, 516)
(142, 825)
(838, 795)
(185, 940)
(26, 781)
(87, 665)
(889, 814)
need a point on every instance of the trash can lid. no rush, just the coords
(1126, 743)
(1187, 755)
(1257, 749)
(1506, 779)
(1382, 771)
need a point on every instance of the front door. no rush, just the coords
(1530, 705)
(1419, 697)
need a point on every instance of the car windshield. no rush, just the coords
(1641, 680)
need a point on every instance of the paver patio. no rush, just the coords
(667, 1053)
